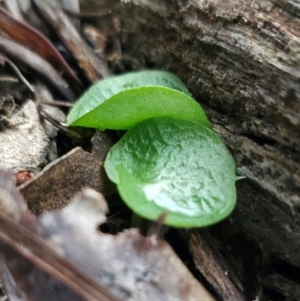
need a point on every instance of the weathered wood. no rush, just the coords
(240, 59)
(208, 262)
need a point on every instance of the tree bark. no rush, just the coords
(240, 59)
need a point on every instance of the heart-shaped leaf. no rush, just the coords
(122, 101)
(174, 166)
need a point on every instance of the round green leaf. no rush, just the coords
(174, 166)
(122, 101)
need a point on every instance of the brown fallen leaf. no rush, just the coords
(63, 178)
(34, 61)
(35, 41)
(66, 245)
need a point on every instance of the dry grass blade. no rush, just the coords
(37, 63)
(32, 39)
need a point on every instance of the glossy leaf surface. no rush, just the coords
(123, 101)
(174, 166)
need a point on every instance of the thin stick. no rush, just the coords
(4, 59)
(57, 124)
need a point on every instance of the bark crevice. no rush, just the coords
(240, 59)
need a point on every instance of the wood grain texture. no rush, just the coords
(240, 59)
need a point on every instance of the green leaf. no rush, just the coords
(174, 166)
(122, 101)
